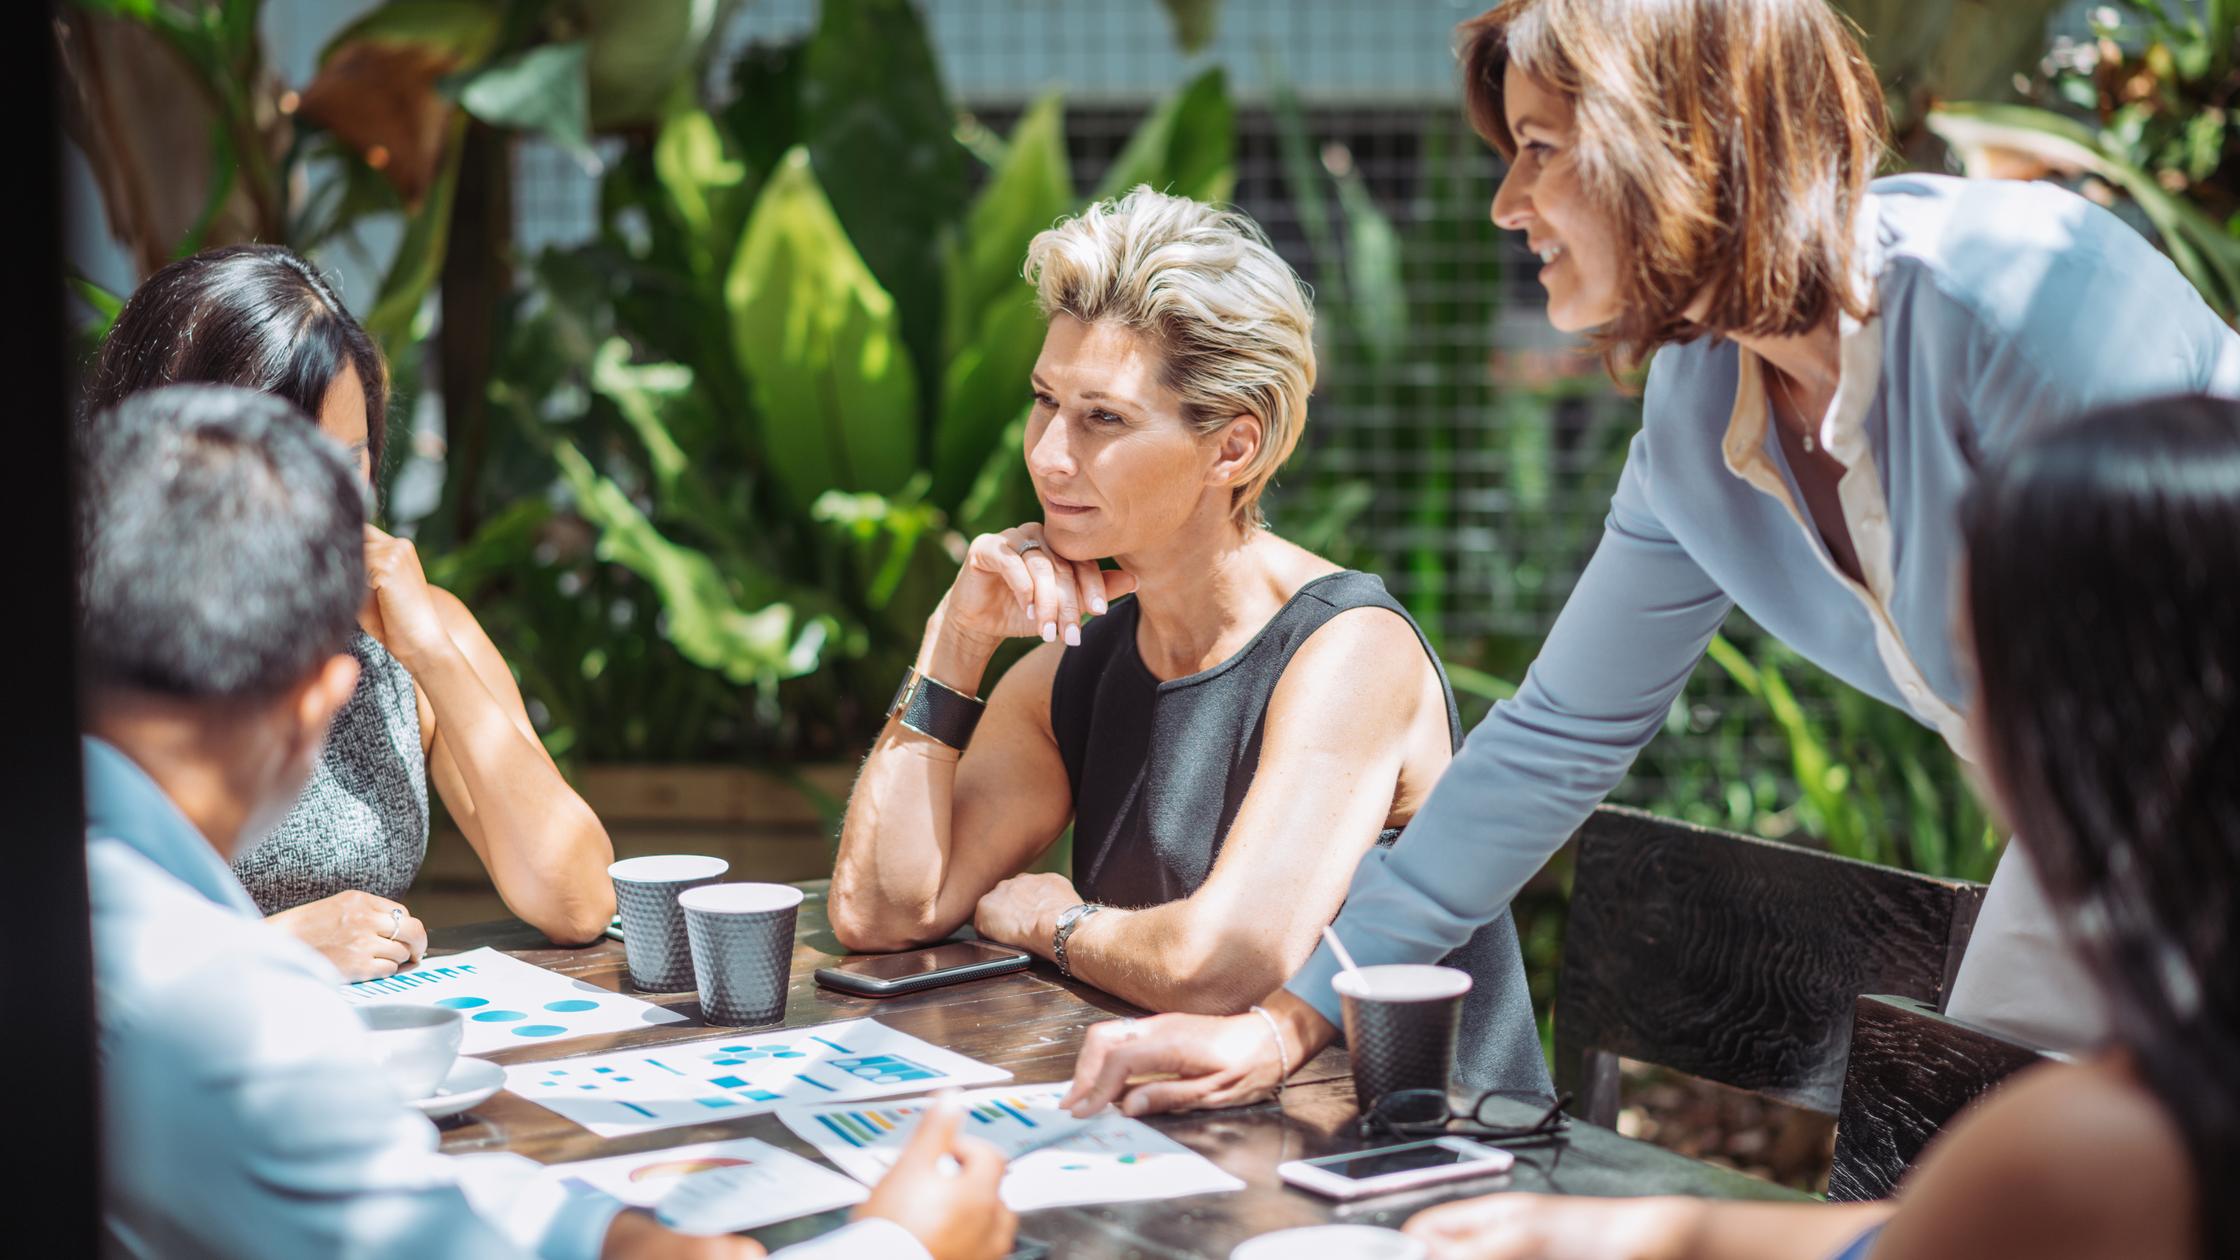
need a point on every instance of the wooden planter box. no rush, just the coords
(767, 826)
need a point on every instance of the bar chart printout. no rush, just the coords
(505, 1002)
(1109, 1159)
(719, 1078)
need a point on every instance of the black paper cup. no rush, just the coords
(742, 949)
(653, 935)
(1400, 1026)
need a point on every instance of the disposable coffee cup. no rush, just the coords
(653, 936)
(1400, 1026)
(1331, 1242)
(742, 949)
(415, 1045)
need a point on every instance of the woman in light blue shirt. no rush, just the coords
(1831, 360)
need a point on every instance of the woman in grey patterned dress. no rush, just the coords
(434, 700)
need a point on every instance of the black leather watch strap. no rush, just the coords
(927, 706)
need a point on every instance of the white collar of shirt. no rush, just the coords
(1749, 445)
(125, 805)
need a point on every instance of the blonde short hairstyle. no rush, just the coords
(1233, 322)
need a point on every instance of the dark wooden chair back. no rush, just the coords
(1911, 1070)
(1737, 959)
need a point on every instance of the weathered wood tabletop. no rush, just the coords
(1032, 1023)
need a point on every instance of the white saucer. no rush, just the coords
(471, 1081)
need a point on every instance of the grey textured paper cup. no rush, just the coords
(653, 935)
(742, 949)
(1400, 1025)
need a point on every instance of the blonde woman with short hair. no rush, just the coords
(1238, 722)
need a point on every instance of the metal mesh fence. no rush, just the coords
(1471, 465)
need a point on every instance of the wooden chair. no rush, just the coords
(1737, 959)
(1911, 1070)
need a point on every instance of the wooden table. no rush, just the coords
(1032, 1023)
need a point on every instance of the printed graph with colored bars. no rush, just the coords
(1109, 1159)
(506, 1002)
(718, 1078)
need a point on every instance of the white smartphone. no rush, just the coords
(1359, 1174)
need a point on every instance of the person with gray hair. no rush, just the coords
(221, 570)
(1240, 722)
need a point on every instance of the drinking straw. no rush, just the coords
(1338, 947)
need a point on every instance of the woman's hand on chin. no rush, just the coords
(1013, 586)
(1023, 910)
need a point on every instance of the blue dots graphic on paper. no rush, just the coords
(496, 1017)
(885, 1069)
(571, 1005)
(539, 1030)
(463, 1003)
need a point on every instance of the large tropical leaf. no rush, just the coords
(639, 49)
(703, 183)
(821, 344)
(1187, 146)
(994, 327)
(377, 86)
(2021, 140)
(543, 89)
(882, 133)
(702, 617)
(395, 318)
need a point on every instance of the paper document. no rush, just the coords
(716, 1187)
(1111, 1159)
(720, 1078)
(510, 1003)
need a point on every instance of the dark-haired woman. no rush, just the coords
(1831, 359)
(434, 702)
(2113, 742)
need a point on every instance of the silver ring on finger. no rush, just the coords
(1031, 544)
(396, 922)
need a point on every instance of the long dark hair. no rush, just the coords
(255, 316)
(2104, 596)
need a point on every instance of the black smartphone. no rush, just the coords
(951, 962)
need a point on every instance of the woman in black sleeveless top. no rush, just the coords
(1230, 742)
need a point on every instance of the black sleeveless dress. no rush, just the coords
(1159, 770)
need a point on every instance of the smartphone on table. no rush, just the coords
(1359, 1174)
(951, 962)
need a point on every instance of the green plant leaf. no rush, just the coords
(395, 319)
(542, 89)
(1373, 277)
(1194, 22)
(703, 620)
(703, 182)
(994, 327)
(1187, 146)
(821, 345)
(638, 50)
(106, 305)
(882, 133)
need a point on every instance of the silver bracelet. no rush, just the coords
(1283, 1057)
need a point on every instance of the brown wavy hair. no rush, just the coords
(1731, 142)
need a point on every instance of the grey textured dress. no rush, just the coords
(362, 821)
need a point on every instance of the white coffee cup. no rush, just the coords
(415, 1045)
(1331, 1242)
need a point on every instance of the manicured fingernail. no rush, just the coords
(1096, 604)
(1073, 636)
(1049, 632)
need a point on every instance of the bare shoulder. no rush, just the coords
(2068, 1160)
(1364, 662)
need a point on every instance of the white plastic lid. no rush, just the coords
(739, 898)
(667, 868)
(1402, 982)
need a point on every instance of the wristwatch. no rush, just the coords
(931, 708)
(1068, 919)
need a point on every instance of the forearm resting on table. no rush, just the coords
(1183, 956)
(889, 880)
(545, 850)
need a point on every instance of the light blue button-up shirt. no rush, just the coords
(1998, 308)
(241, 1116)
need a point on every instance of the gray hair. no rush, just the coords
(1233, 321)
(221, 544)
